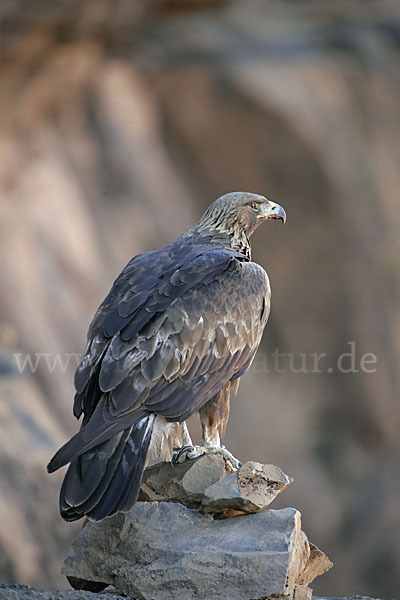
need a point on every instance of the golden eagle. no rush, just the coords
(178, 329)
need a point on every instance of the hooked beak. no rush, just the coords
(271, 210)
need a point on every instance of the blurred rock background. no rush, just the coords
(119, 123)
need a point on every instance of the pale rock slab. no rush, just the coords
(249, 489)
(170, 552)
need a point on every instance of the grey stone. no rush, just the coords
(25, 592)
(184, 482)
(249, 489)
(208, 483)
(170, 552)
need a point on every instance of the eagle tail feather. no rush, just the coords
(107, 479)
(92, 435)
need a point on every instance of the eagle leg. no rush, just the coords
(187, 446)
(211, 441)
(213, 417)
(186, 440)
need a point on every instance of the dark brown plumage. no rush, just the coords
(176, 332)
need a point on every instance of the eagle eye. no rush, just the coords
(255, 205)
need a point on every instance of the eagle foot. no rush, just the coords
(179, 456)
(193, 452)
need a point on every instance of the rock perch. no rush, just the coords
(171, 550)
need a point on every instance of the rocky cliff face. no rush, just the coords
(117, 127)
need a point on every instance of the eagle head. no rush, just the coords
(240, 213)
